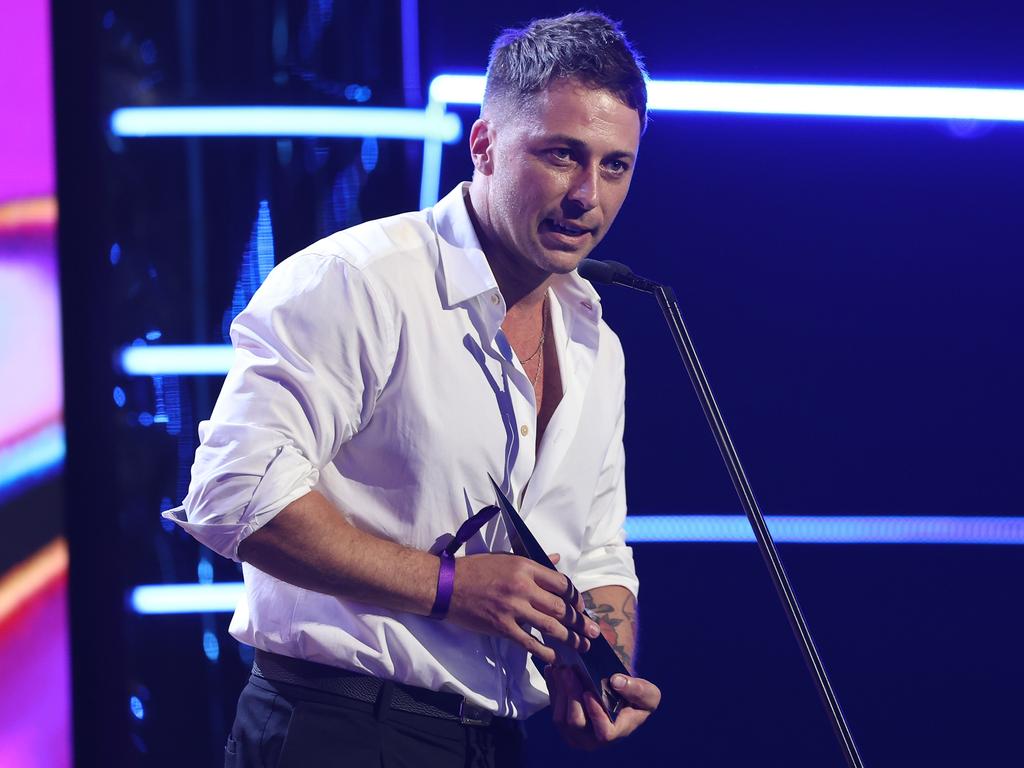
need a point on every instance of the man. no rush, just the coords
(381, 375)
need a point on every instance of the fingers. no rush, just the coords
(566, 694)
(575, 717)
(553, 629)
(557, 693)
(563, 622)
(604, 729)
(572, 595)
(553, 581)
(501, 594)
(559, 598)
(566, 603)
(532, 644)
(640, 693)
(582, 720)
(574, 736)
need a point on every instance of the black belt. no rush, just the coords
(353, 685)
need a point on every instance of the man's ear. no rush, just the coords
(481, 146)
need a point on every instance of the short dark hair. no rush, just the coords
(585, 46)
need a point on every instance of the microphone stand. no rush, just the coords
(612, 272)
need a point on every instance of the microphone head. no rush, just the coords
(596, 271)
(603, 271)
(614, 273)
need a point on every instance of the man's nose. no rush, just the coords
(584, 187)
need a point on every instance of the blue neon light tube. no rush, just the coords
(889, 101)
(739, 98)
(186, 598)
(839, 529)
(224, 596)
(325, 122)
(177, 360)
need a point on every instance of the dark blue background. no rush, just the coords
(853, 288)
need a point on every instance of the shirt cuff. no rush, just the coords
(224, 508)
(605, 567)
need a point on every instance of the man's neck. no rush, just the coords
(522, 285)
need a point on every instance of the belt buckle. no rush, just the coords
(472, 715)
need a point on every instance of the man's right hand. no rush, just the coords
(499, 594)
(310, 544)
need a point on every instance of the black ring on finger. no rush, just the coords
(571, 594)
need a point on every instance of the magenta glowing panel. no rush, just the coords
(29, 336)
(26, 133)
(35, 723)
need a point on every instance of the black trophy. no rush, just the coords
(595, 667)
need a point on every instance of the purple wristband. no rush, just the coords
(446, 572)
(445, 586)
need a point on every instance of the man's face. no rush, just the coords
(557, 173)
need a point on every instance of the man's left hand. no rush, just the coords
(581, 719)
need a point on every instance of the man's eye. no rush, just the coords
(561, 153)
(618, 166)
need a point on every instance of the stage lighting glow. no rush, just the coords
(886, 101)
(31, 458)
(186, 598)
(177, 360)
(211, 647)
(322, 122)
(138, 711)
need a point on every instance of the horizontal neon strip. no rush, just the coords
(324, 122)
(187, 598)
(31, 460)
(220, 597)
(805, 529)
(457, 89)
(914, 102)
(177, 360)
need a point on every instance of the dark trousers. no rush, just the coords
(283, 726)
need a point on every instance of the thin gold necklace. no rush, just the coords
(543, 331)
(540, 345)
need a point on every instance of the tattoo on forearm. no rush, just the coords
(610, 619)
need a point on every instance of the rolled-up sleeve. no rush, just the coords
(605, 559)
(313, 351)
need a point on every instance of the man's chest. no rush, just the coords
(457, 408)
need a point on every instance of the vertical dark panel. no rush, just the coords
(92, 504)
(156, 237)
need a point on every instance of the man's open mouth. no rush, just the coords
(565, 228)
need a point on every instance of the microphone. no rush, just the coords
(615, 273)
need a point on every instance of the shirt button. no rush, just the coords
(524, 430)
(494, 298)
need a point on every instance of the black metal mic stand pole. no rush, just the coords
(619, 274)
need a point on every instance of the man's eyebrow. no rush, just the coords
(574, 143)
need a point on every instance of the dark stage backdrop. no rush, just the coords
(851, 285)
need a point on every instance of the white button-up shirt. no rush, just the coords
(372, 368)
